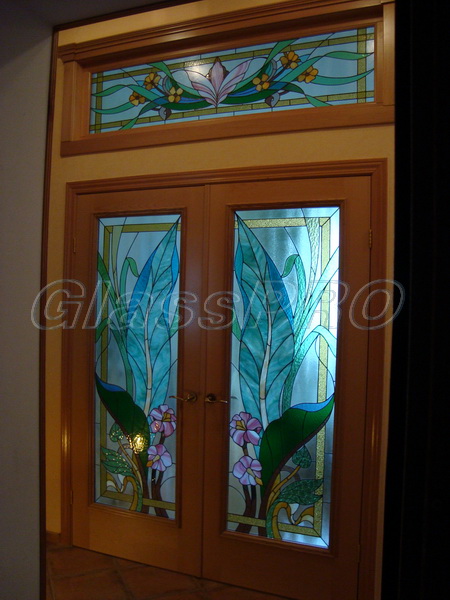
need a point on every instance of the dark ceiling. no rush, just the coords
(60, 12)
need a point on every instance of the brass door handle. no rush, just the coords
(212, 399)
(190, 397)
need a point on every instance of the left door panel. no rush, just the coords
(132, 372)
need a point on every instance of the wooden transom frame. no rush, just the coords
(240, 28)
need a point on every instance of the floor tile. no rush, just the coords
(207, 584)
(235, 593)
(78, 574)
(105, 585)
(123, 563)
(146, 583)
(199, 595)
(76, 561)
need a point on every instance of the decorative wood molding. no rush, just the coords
(375, 435)
(345, 168)
(216, 33)
(220, 23)
(333, 117)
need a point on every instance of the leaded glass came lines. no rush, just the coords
(283, 368)
(136, 363)
(322, 70)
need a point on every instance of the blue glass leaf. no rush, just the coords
(148, 331)
(267, 345)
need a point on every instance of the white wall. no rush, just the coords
(25, 50)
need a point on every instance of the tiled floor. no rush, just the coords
(77, 574)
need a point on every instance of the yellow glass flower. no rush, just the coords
(136, 99)
(151, 80)
(289, 60)
(262, 83)
(308, 75)
(175, 94)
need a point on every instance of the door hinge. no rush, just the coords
(370, 238)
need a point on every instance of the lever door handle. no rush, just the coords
(190, 397)
(212, 399)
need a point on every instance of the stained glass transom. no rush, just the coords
(136, 363)
(283, 367)
(321, 70)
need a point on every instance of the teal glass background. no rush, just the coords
(322, 70)
(283, 373)
(136, 363)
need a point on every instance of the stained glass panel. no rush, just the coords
(136, 363)
(321, 70)
(283, 373)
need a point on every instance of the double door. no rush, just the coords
(217, 381)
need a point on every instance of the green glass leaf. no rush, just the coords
(144, 109)
(129, 264)
(185, 106)
(286, 435)
(302, 458)
(115, 433)
(321, 80)
(302, 318)
(293, 87)
(129, 417)
(161, 66)
(115, 110)
(235, 327)
(109, 91)
(115, 463)
(343, 55)
(301, 492)
(117, 317)
(115, 241)
(311, 338)
(279, 47)
(292, 74)
(313, 299)
(250, 98)
(288, 265)
(142, 91)
(99, 330)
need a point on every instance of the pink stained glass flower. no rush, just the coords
(158, 457)
(245, 428)
(248, 471)
(164, 420)
(218, 83)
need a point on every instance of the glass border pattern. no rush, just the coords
(317, 71)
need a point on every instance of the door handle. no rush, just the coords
(212, 399)
(190, 397)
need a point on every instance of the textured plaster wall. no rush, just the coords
(24, 72)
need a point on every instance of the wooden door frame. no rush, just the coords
(377, 370)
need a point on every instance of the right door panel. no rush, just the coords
(284, 437)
